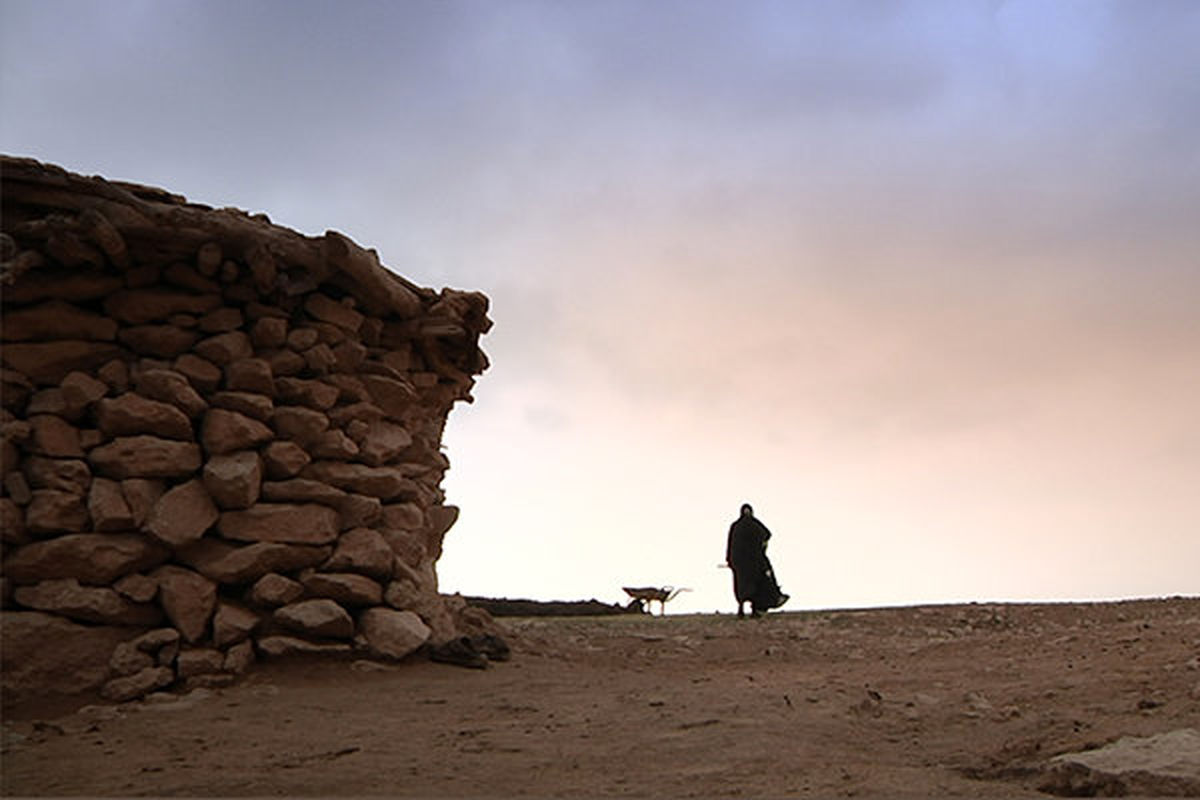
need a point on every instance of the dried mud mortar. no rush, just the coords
(953, 700)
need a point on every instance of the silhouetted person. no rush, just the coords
(746, 554)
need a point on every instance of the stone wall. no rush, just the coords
(220, 440)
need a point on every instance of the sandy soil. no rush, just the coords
(952, 700)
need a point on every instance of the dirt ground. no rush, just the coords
(934, 701)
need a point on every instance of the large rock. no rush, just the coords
(10, 457)
(384, 442)
(334, 444)
(188, 598)
(200, 661)
(320, 618)
(250, 375)
(362, 550)
(56, 320)
(393, 634)
(418, 593)
(351, 390)
(309, 393)
(156, 640)
(115, 375)
(395, 397)
(183, 514)
(108, 507)
(404, 595)
(356, 412)
(274, 590)
(225, 431)
(349, 356)
(209, 259)
(128, 660)
(142, 494)
(302, 425)
(171, 387)
(47, 363)
(53, 513)
(232, 564)
(137, 587)
(284, 523)
(233, 624)
(200, 372)
(157, 341)
(320, 359)
(1165, 765)
(79, 391)
(255, 406)
(286, 362)
(347, 588)
(269, 333)
(284, 646)
(49, 401)
(299, 490)
(66, 597)
(186, 277)
(360, 511)
(17, 488)
(409, 546)
(403, 516)
(140, 684)
(438, 521)
(225, 348)
(47, 653)
(234, 479)
(13, 431)
(61, 474)
(139, 306)
(221, 320)
(300, 339)
(239, 657)
(12, 522)
(53, 436)
(131, 414)
(326, 309)
(145, 457)
(386, 483)
(283, 460)
(64, 284)
(92, 558)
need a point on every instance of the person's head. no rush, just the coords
(747, 511)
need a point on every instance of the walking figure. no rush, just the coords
(746, 554)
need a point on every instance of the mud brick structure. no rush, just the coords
(220, 440)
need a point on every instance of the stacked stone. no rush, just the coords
(217, 433)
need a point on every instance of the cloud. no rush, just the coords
(915, 263)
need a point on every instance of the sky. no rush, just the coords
(920, 281)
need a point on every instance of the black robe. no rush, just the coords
(746, 553)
